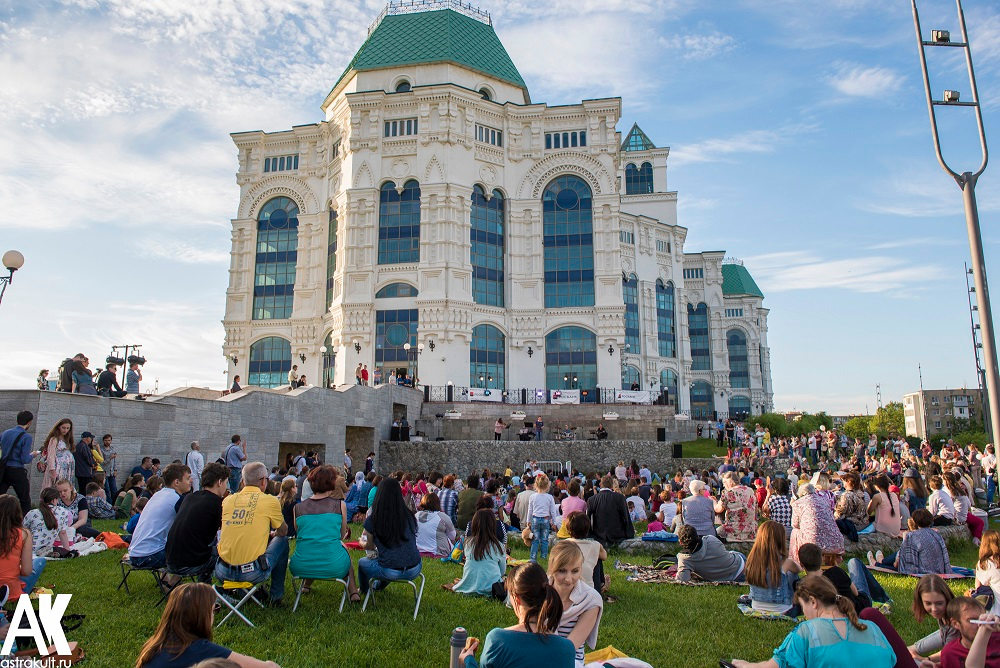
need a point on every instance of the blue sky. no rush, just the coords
(799, 142)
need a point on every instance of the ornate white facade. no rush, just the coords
(334, 173)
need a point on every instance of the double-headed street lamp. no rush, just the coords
(12, 261)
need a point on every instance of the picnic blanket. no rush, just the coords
(957, 573)
(653, 575)
(748, 611)
(660, 536)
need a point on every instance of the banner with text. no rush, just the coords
(632, 396)
(564, 396)
(480, 394)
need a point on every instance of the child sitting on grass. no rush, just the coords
(130, 526)
(98, 506)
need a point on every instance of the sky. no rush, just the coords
(798, 129)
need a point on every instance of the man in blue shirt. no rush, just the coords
(15, 444)
(236, 454)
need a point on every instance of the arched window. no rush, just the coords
(630, 375)
(638, 181)
(739, 366)
(569, 243)
(668, 382)
(274, 273)
(331, 255)
(403, 86)
(487, 358)
(739, 407)
(702, 400)
(701, 345)
(485, 93)
(393, 330)
(571, 359)
(329, 362)
(487, 254)
(399, 224)
(396, 290)
(630, 293)
(270, 362)
(666, 329)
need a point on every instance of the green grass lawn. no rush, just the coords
(665, 625)
(702, 447)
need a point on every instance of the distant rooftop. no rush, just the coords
(637, 140)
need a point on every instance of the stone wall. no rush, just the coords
(269, 421)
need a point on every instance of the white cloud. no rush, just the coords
(725, 149)
(700, 47)
(915, 242)
(861, 81)
(178, 251)
(806, 270)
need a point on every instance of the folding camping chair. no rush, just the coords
(126, 565)
(235, 587)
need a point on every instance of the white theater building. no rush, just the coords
(439, 224)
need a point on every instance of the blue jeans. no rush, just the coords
(865, 582)
(370, 569)
(234, 479)
(991, 489)
(277, 565)
(151, 561)
(111, 488)
(538, 433)
(540, 527)
(29, 581)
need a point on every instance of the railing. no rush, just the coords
(532, 396)
(415, 6)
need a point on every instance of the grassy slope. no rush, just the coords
(657, 623)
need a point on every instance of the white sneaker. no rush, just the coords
(871, 559)
(879, 556)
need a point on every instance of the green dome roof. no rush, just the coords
(431, 37)
(736, 280)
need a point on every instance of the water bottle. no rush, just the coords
(458, 638)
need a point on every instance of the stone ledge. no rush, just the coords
(871, 541)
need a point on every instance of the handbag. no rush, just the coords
(3, 462)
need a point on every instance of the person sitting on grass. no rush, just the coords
(78, 509)
(392, 530)
(708, 558)
(153, 485)
(19, 568)
(532, 641)
(988, 567)
(485, 558)
(770, 573)
(811, 561)
(435, 532)
(48, 523)
(931, 598)
(97, 507)
(978, 645)
(125, 503)
(321, 527)
(148, 547)
(133, 521)
(184, 635)
(286, 497)
(582, 605)
(248, 519)
(832, 635)
(699, 510)
(594, 553)
(191, 539)
(922, 551)
(940, 504)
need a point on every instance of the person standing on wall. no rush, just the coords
(15, 444)
(236, 454)
(293, 377)
(195, 461)
(132, 379)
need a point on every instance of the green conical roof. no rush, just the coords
(736, 280)
(637, 140)
(431, 37)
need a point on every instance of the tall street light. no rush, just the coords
(967, 182)
(12, 261)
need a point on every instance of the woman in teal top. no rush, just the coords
(321, 525)
(371, 492)
(830, 636)
(531, 642)
(485, 559)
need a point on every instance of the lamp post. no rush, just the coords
(12, 261)
(966, 181)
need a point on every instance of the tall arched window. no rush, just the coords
(638, 181)
(329, 362)
(393, 330)
(274, 273)
(701, 345)
(739, 366)
(630, 293)
(569, 243)
(399, 223)
(630, 375)
(666, 330)
(331, 255)
(487, 358)
(668, 382)
(702, 400)
(571, 359)
(739, 407)
(487, 253)
(270, 362)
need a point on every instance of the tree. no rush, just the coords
(808, 423)
(858, 427)
(773, 422)
(889, 421)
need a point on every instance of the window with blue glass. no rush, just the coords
(487, 358)
(739, 407)
(668, 382)
(638, 180)
(394, 290)
(569, 243)
(274, 273)
(393, 330)
(630, 376)
(666, 328)
(270, 362)
(329, 362)
(702, 400)
(630, 293)
(399, 223)
(701, 346)
(331, 256)
(571, 360)
(487, 254)
(739, 365)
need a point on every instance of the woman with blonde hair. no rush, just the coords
(184, 635)
(582, 604)
(770, 573)
(988, 567)
(57, 454)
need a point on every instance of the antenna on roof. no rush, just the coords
(396, 7)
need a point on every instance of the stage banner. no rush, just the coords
(632, 396)
(480, 394)
(564, 396)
